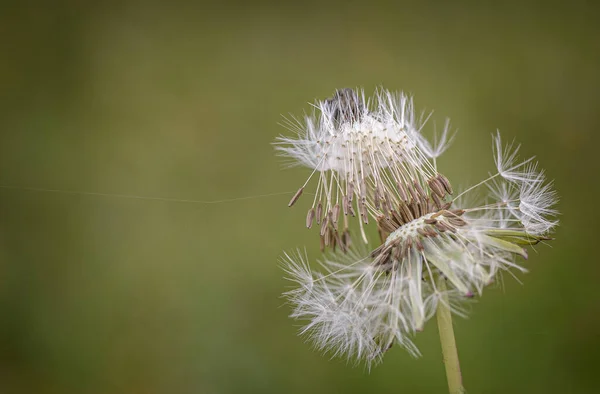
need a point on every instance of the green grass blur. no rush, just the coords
(113, 295)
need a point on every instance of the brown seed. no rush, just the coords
(365, 217)
(398, 219)
(405, 218)
(350, 191)
(397, 252)
(446, 183)
(402, 192)
(436, 187)
(441, 226)
(413, 193)
(435, 215)
(333, 224)
(387, 202)
(388, 205)
(363, 189)
(448, 214)
(420, 209)
(388, 226)
(343, 246)
(322, 246)
(319, 212)
(406, 213)
(430, 221)
(310, 217)
(431, 232)
(296, 197)
(385, 196)
(419, 189)
(340, 241)
(364, 213)
(351, 210)
(436, 200)
(345, 204)
(377, 199)
(335, 213)
(414, 209)
(431, 206)
(458, 212)
(327, 237)
(422, 232)
(382, 234)
(324, 225)
(456, 221)
(335, 239)
(447, 205)
(419, 244)
(347, 238)
(381, 223)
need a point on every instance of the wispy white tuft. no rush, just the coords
(353, 309)
(508, 164)
(441, 142)
(537, 200)
(506, 194)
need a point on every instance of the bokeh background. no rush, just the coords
(107, 294)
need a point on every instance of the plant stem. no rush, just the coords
(449, 352)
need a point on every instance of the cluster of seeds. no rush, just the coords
(402, 237)
(372, 163)
(360, 151)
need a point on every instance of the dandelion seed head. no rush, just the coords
(366, 302)
(363, 303)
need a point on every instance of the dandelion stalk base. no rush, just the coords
(449, 351)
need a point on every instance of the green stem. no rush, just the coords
(449, 352)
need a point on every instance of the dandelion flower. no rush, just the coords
(365, 303)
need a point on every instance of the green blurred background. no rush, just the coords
(113, 295)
